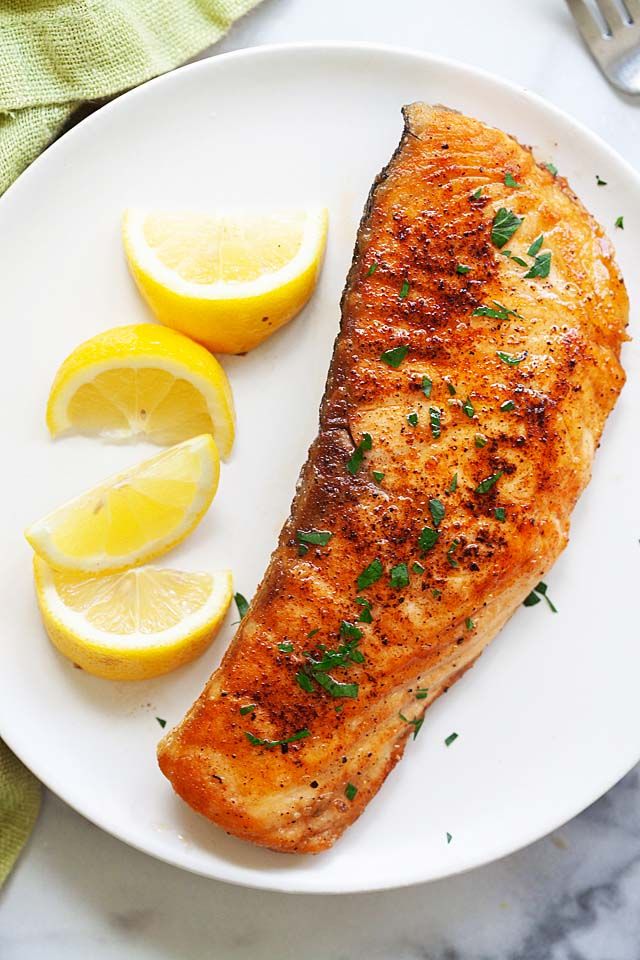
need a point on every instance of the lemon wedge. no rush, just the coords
(132, 625)
(133, 517)
(228, 281)
(142, 380)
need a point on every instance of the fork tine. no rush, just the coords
(590, 30)
(611, 14)
(633, 9)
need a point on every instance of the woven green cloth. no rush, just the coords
(19, 805)
(55, 54)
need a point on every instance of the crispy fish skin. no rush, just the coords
(423, 219)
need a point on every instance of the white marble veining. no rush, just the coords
(79, 893)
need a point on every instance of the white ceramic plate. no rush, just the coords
(548, 719)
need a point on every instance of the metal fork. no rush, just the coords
(615, 44)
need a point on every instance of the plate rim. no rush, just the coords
(289, 883)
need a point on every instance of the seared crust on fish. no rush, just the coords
(471, 379)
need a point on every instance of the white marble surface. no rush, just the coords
(78, 893)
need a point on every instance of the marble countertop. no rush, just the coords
(77, 892)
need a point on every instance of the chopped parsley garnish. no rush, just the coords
(426, 386)
(372, 269)
(394, 356)
(422, 693)
(467, 406)
(535, 246)
(450, 387)
(350, 791)
(449, 740)
(553, 170)
(436, 509)
(469, 624)
(453, 486)
(242, 604)
(334, 688)
(370, 575)
(510, 181)
(600, 181)
(417, 567)
(533, 598)
(416, 724)
(541, 267)
(427, 539)
(399, 576)
(162, 722)
(480, 440)
(620, 223)
(355, 461)
(365, 613)
(250, 707)
(518, 260)
(436, 593)
(404, 289)
(313, 632)
(435, 421)
(305, 682)
(350, 631)
(317, 537)
(450, 553)
(449, 837)
(485, 485)
(498, 311)
(462, 268)
(377, 476)
(285, 647)
(500, 514)
(269, 744)
(507, 405)
(476, 195)
(412, 418)
(512, 359)
(505, 224)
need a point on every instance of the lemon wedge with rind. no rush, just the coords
(142, 381)
(132, 625)
(226, 280)
(134, 516)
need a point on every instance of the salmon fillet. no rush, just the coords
(476, 363)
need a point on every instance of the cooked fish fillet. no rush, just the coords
(437, 493)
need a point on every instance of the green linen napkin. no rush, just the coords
(55, 54)
(19, 805)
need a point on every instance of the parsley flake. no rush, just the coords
(404, 289)
(485, 485)
(450, 387)
(450, 553)
(399, 576)
(453, 486)
(449, 837)
(285, 647)
(305, 682)
(462, 268)
(510, 181)
(469, 624)
(417, 567)
(498, 312)
(416, 724)
(372, 269)
(313, 632)
(394, 356)
(377, 476)
(334, 688)
(512, 359)
(553, 170)
(426, 386)
(427, 539)
(480, 440)
(477, 194)
(535, 246)
(500, 514)
(250, 707)
(436, 509)
(269, 744)
(370, 575)
(355, 460)
(449, 740)
(365, 613)
(507, 405)
(505, 224)
(350, 631)
(468, 408)
(162, 722)
(435, 423)
(242, 604)
(422, 693)
(541, 267)
(319, 538)
(600, 181)
(350, 791)
(412, 418)
(533, 598)
(620, 223)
